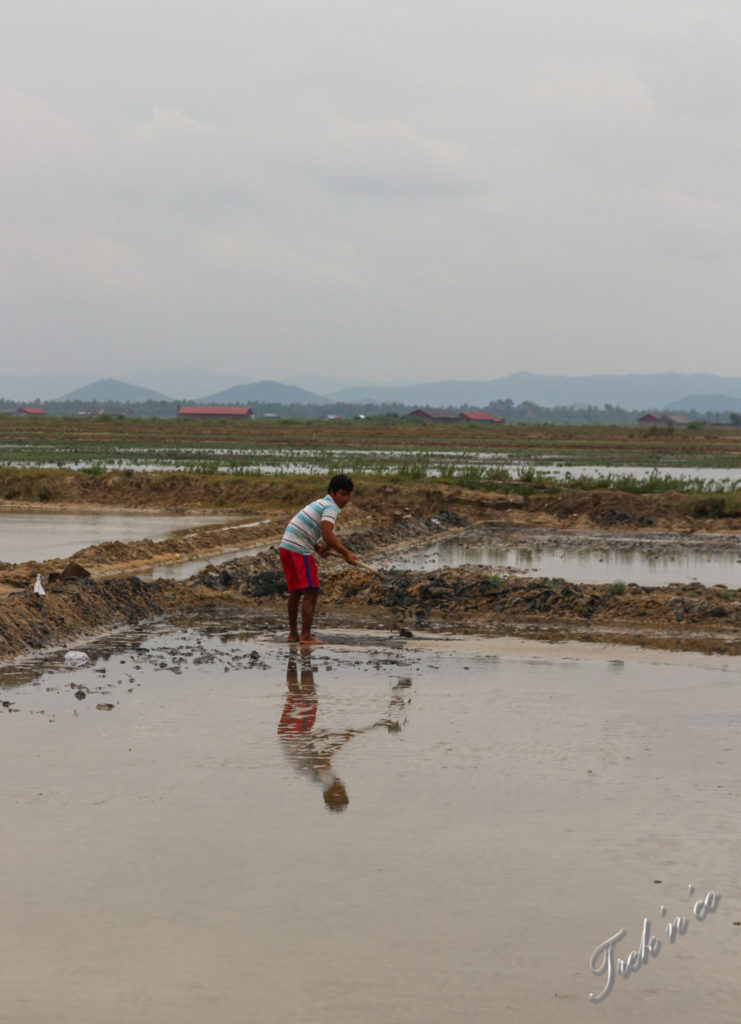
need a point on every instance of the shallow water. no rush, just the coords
(587, 564)
(280, 460)
(41, 534)
(185, 568)
(710, 475)
(175, 858)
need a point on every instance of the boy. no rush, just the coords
(312, 531)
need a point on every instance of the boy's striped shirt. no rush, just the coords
(305, 529)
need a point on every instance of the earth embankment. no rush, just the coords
(465, 599)
(390, 519)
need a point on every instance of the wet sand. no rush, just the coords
(510, 806)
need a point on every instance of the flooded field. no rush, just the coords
(201, 824)
(43, 534)
(590, 559)
(420, 461)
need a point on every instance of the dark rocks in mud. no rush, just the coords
(72, 571)
(619, 517)
(258, 576)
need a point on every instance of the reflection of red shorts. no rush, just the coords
(299, 714)
(300, 570)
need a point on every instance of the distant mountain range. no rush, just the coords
(706, 403)
(264, 391)
(109, 390)
(173, 384)
(634, 391)
(658, 391)
(186, 383)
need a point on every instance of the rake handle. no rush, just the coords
(359, 564)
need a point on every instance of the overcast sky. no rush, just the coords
(379, 190)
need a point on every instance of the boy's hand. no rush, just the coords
(350, 558)
(323, 551)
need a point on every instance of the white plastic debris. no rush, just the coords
(76, 657)
(37, 587)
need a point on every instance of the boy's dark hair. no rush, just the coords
(340, 483)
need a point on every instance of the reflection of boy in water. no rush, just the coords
(310, 752)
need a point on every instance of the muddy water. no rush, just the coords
(186, 568)
(434, 832)
(588, 562)
(710, 475)
(42, 535)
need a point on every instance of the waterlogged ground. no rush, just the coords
(583, 558)
(424, 461)
(201, 824)
(590, 560)
(41, 534)
(589, 557)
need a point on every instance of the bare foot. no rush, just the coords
(310, 640)
(292, 639)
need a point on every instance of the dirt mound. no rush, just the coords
(612, 508)
(83, 607)
(666, 510)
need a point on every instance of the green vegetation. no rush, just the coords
(415, 468)
(531, 461)
(554, 585)
(618, 587)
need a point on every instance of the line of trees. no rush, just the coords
(522, 412)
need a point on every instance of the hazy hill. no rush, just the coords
(330, 385)
(706, 403)
(263, 391)
(630, 391)
(186, 383)
(109, 390)
(23, 389)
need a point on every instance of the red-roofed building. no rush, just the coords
(480, 417)
(663, 420)
(215, 412)
(29, 410)
(435, 415)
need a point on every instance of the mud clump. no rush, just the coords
(71, 571)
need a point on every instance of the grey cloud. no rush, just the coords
(389, 158)
(531, 186)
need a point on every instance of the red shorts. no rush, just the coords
(301, 572)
